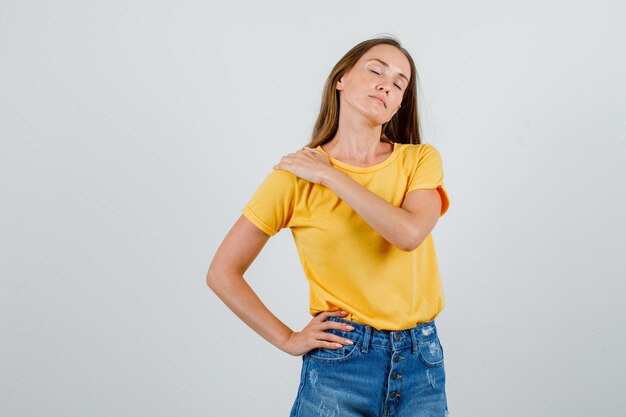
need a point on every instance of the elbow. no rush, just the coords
(209, 279)
(220, 278)
(411, 241)
(212, 278)
(407, 246)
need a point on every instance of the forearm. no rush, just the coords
(235, 292)
(393, 223)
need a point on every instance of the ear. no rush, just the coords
(339, 86)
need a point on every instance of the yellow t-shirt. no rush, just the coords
(348, 264)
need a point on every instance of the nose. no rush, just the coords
(383, 87)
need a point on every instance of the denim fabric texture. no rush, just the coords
(384, 373)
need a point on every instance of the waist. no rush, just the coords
(391, 339)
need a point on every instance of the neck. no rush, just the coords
(357, 139)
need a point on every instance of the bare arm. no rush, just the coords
(240, 247)
(405, 227)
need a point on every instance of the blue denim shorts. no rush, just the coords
(384, 373)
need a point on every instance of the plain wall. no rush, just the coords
(133, 132)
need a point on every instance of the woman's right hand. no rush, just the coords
(314, 336)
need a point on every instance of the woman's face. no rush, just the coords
(375, 85)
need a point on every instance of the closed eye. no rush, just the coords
(378, 73)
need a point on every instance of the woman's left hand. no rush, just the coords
(307, 163)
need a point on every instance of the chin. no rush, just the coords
(378, 121)
(375, 119)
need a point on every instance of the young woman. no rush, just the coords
(361, 201)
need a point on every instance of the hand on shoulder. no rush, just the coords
(306, 163)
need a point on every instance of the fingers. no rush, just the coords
(304, 157)
(314, 335)
(332, 341)
(303, 151)
(322, 318)
(337, 326)
(334, 313)
(286, 160)
(335, 343)
(329, 340)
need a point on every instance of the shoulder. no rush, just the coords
(279, 180)
(282, 176)
(418, 152)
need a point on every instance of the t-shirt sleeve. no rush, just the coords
(428, 174)
(271, 206)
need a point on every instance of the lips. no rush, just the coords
(380, 99)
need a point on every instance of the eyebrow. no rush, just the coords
(387, 66)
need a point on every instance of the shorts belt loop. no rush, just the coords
(413, 341)
(366, 339)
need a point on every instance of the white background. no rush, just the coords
(134, 131)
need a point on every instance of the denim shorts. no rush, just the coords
(384, 373)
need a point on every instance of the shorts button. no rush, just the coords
(396, 358)
(395, 376)
(394, 394)
(398, 336)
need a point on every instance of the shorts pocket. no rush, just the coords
(431, 352)
(342, 354)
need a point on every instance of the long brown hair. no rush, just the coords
(404, 126)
